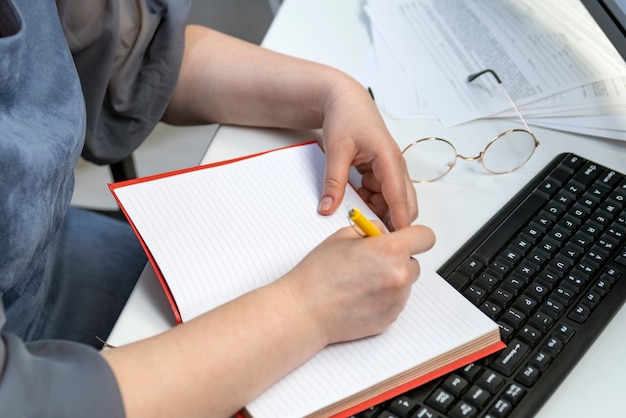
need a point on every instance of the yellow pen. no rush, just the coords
(363, 223)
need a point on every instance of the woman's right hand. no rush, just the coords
(353, 287)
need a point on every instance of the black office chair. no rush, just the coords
(123, 170)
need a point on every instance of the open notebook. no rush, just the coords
(214, 232)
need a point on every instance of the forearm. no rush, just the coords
(229, 81)
(215, 364)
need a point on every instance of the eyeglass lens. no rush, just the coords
(509, 151)
(432, 158)
(429, 159)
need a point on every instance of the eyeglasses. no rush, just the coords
(429, 159)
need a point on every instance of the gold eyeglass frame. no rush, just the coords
(479, 157)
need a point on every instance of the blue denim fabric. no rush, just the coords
(96, 263)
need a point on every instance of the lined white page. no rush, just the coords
(218, 232)
(436, 320)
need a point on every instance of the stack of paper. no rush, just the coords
(554, 60)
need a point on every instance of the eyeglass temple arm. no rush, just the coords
(474, 76)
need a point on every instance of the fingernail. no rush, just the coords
(325, 204)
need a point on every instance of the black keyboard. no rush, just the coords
(548, 268)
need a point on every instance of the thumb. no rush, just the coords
(335, 179)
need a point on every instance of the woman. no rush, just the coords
(94, 77)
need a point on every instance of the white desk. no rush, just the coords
(336, 33)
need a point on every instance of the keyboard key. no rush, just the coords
(387, 414)
(528, 376)
(591, 299)
(506, 331)
(564, 295)
(561, 262)
(621, 258)
(513, 317)
(553, 346)
(522, 244)
(572, 163)
(541, 321)
(514, 393)
(548, 278)
(425, 412)
(564, 332)
(471, 267)
(455, 385)
(490, 309)
(511, 357)
(500, 409)
(553, 308)
(529, 335)
(611, 274)
(538, 258)
(402, 406)
(490, 381)
(487, 282)
(441, 400)
(575, 281)
(463, 410)
(537, 291)
(515, 284)
(601, 287)
(526, 304)
(373, 412)
(580, 313)
(470, 372)
(477, 396)
(587, 174)
(533, 232)
(616, 232)
(574, 188)
(475, 294)
(610, 179)
(458, 281)
(502, 298)
(541, 361)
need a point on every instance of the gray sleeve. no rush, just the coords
(128, 55)
(55, 379)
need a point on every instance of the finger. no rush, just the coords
(416, 239)
(369, 181)
(398, 192)
(338, 161)
(378, 204)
